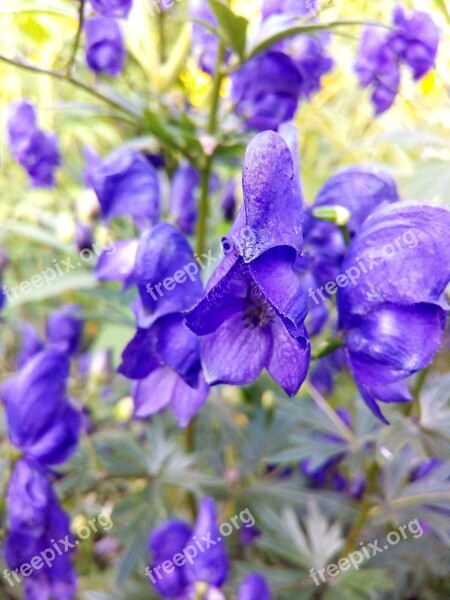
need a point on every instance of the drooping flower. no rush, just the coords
(266, 90)
(208, 565)
(393, 312)
(126, 184)
(252, 315)
(35, 523)
(64, 328)
(35, 150)
(414, 40)
(105, 48)
(164, 355)
(41, 421)
(183, 199)
(112, 8)
(254, 587)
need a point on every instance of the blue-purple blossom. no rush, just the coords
(41, 421)
(105, 48)
(297, 8)
(64, 328)
(126, 184)
(31, 345)
(252, 315)
(266, 90)
(205, 44)
(183, 198)
(164, 355)
(117, 265)
(35, 150)
(254, 587)
(36, 521)
(394, 315)
(414, 41)
(112, 8)
(210, 565)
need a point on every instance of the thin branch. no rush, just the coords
(77, 39)
(135, 114)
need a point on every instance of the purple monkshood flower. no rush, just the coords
(164, 355)
(205, 44)
(183, 198)
(254, 587)
(64, 328)
(394, 318)
(41, 421)
(31, 345)
(35, 521)
(252, 315)
(117, 265)
(35, 150)
(112, 8)
(126, 184)
(209, 565)
(105, 48)
(266, 90)
(414, 41)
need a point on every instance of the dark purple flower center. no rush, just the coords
(257, 313)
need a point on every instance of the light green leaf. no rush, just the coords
(233, 28)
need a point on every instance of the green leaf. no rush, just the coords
(233, 28)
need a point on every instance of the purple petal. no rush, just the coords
(210, 566)
(235, 353)
(289, 361)
(112, 8)
(139, 358)
(254, 587)
(105, 47)
(117, 264)
(187, 401)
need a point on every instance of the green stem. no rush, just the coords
(77, 39)
(135, 114)
(206, 171)
(327, 348)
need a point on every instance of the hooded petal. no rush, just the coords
(274, 275)
(236, 352)
(31, 345)
(105, 47)
(272, 202)
(400, 255)
(289, 361)
(166, 272)
(64, 328)
(361, 190)
(210, 566)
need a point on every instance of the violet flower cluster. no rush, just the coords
(105, 46)
(44, 426)
(413, 41)
(37, 151)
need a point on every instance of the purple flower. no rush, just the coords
(64, 328)
(183, 198)
(164, 355)
(105, 48)
(266, 90)
(209, 565)
(84, 236)
(416, 40)
(378, 66)
(112, 8)
(204, 43)
(254, 587)
(393, 315)
(35, 521)
(31, 345)
(126, 184)
(252, 315)
(360, 189)
(309, 56)
(35, 150)
(117, 265)
(41, 421)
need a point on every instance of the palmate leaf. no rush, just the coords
(364, 584)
